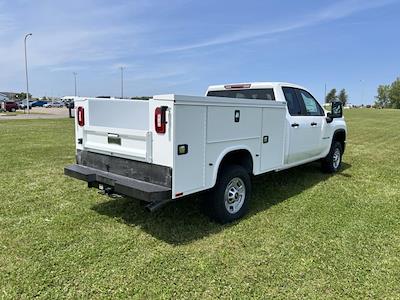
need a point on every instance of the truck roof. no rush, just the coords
(252, 85)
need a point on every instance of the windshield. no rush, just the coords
(260, 94)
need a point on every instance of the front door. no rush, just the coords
(315, 116)
(304, 125)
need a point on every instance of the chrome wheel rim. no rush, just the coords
(235, 194)
(336, 158)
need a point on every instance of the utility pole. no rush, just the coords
(122, 82)
(325, 94)
(362, 91)
(26, 73)
(75, 74)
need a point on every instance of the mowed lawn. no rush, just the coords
(308, 234)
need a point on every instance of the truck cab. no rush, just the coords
(309, 130)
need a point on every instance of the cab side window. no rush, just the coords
(292, 101)
(311, 106)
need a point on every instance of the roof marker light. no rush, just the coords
(237, 86)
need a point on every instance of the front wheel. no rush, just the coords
(229, 200)
(333, 161)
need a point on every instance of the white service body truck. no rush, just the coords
(173, 146)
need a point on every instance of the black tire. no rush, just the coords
(218, 200)
(333, 161)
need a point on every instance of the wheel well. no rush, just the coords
(340, 136)
(238, 157)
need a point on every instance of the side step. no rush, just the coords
(130, 187)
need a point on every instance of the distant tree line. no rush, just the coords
(19, 96)
(388, 95)
(332, 97)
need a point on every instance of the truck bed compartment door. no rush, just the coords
(189, 149)
(273, 137)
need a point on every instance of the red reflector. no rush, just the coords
(237, 86)
(160, 119)
(81, 116)
(178, 194)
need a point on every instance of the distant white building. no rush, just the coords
(3, 97)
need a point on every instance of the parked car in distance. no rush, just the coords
(9, 106)
(22, 105)
(54, 104)
(39, 103)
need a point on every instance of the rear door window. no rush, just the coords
(292, 101)
(259, 94)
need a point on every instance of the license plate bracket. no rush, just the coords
(114, 139)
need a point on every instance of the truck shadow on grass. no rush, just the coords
(183, 221)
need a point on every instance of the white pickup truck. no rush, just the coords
(173, 146)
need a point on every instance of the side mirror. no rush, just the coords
(337, 110)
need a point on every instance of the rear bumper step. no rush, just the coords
(121, 185)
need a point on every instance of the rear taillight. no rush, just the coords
(160, 121)
(81, 116)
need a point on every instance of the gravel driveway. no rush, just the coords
(38, 113)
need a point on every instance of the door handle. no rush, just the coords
(295, 125)
(314, 124)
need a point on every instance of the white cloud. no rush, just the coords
(342, 9)
(156, 75)
(68, 68)
(103, 36)
(6, 23)
(333, 12)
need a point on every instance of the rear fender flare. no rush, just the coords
(223, 154)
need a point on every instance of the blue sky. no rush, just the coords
(182, 46)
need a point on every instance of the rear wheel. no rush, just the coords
(333, 161)
(229, 200)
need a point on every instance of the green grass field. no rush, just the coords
(308, 234)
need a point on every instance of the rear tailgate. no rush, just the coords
(116, 128)
(115, 143)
